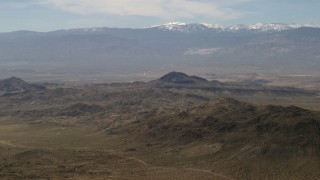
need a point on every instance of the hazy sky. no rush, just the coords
(46, 15)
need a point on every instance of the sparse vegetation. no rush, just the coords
(178, 127)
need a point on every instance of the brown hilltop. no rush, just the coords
(291, 130)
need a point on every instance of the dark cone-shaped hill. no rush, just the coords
(14, 84)
(181, 78)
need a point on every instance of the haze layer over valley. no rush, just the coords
(280, 53)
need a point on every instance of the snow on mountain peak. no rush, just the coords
(185, 27)
(169, 25)
(271, 27)
(213, 26)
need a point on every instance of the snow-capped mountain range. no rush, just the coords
(198, 27)
(194, 27)
(116, 50)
